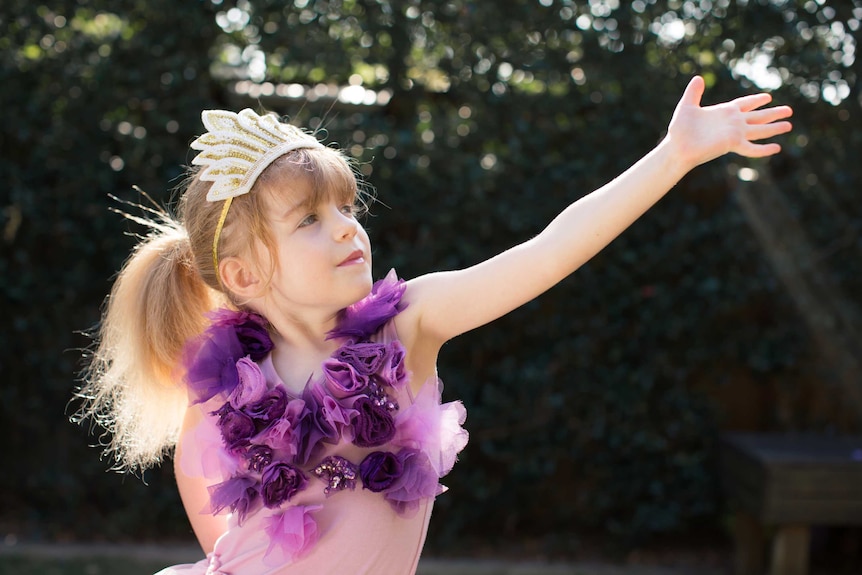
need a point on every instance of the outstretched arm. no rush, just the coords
(447, 304)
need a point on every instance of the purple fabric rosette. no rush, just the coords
(325, 421)
(268, 408)
(373, 425)
(292, 533)
(250, 328)
(417, 481)
(251, 386)
(392, 371)
(211, 360)
(342, 379)
(279, 482)
(283, 434)
(365, 357)
(379, 470)
(237, 428)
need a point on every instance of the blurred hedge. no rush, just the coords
(594, 408)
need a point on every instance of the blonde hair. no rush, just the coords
(162, 295)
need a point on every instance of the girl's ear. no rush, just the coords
(239, 278)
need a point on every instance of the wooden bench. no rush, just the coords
(784, 484)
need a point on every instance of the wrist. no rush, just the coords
(676, 160)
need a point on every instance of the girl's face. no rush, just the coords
(323, 254)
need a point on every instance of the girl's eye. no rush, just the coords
(308, 220)
(349, 209)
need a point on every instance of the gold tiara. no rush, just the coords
(236, 149)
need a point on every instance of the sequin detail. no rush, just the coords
(338, 472)
(380, 398)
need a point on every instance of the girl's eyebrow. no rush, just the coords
(288, 207)
(292, 208)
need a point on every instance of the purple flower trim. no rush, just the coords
(268, 409)
(252, 384)
(342, 379)
(251, 330)
(211, 363)
(366, 316)
(239, 494)
(366, 358)
(392, 371)
(324, 421)
(292, 533)
(379, 470)
(284, 433)
(271, 435)
(417, 481)
(373, 425)
(280, 482)
(236, 427)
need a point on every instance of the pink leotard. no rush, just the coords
(353, 529)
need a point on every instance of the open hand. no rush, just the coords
(700, 134)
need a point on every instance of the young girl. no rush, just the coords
(310, 436)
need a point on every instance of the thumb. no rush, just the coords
(693, 92)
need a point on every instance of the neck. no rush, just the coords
(306, 329)
(302, 337)
(298, 354)
(300, 343)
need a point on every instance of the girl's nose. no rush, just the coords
(346, 225)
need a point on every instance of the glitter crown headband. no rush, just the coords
(236, 149)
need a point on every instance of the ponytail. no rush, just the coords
(132, 386)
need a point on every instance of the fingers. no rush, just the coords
(693, 92)
(752, 101)
(764, 131)
(768, 115)
(765, 124)
(751, 150)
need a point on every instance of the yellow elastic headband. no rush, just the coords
(217, 236)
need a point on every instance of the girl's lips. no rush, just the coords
(355, 257)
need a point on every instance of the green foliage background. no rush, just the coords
(595, 408)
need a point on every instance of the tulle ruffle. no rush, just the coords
(433, 428)
(292, 533)
(208, 458)
(366, 316)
